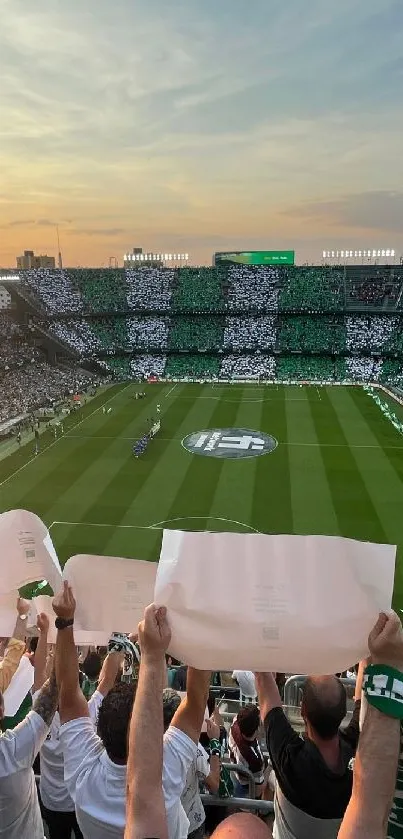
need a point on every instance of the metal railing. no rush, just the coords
(266, 808)
(251, 803)
(293, 687)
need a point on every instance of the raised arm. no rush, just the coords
(190, 714)
(268, 693)
(46, 702)
(72, 702)
(41, 652)
(109, 672)
(375, 768)
(145, 811)
(16, 646)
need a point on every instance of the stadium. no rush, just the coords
(241, 398)
(312, 356)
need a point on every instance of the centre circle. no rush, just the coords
(229, 443)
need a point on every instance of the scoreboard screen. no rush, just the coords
(255, 258)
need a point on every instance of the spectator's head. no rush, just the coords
(114, 720)
(92, 666)
(249, 721)
(324, 706)
(170, 704)
(242, 826)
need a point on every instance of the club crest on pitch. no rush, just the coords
(230, 443)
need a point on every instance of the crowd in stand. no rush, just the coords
(196, 333)
(249, 333)
(38, 385)
(248, 366)
(15, 351)
(143, 366)
(281, 316)
(147, 332)
(122, 755)
(149, 288)
(302, 333)
(370, 333)
(77, 334)
(54, 290)
(198, 289)
(253, 289)
(312, 289)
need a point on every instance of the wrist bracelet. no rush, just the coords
(383, 687)
(215, 744)
(63, 623)
(215, 752)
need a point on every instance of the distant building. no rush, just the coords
(29, 260)
(5, 298)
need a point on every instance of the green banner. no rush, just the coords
(255, 258)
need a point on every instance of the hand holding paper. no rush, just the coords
(64, 604)
(295, 604)
(154, 633)
(386, 641)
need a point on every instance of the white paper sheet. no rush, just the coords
(19, 686)
(27, 552)
(296, 604)
(43, 603)
(111, 592)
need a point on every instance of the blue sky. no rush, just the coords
(200, 125)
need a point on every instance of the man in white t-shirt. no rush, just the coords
(206, 770)
(95, 765)
(246, 681)
(57, 805)
(20, 816)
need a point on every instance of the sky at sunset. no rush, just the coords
(200, 125)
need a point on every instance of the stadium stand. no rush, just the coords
(312, 289)
(188, 366)
(248, 333)
(54, 289)
(288, 323)
(317, 334)
(36, 385)
(197, 290)
(310, 368)
(147, 332)
(248, 366)
(77, 334)
(149, 288)
(253, 289)
(101, 290)
(143, 366)
(196, 333)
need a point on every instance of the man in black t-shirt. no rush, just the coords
(313, 773)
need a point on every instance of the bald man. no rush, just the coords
(242, 826)
(313, 774)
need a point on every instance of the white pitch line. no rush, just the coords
(42, 451)
(280, 442)
(104, 524)
(170, 391)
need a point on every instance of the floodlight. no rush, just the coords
(392, 253)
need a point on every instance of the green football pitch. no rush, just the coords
(337, 469)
